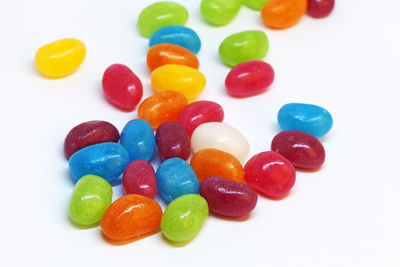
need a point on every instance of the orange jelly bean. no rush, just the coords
(131, 216)
(162, 107)
(282, 14)
(214, 162)
(162, 54)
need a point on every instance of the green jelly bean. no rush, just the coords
(255, 4)
(243, 46)
(220, 12)
(161, 14)
(184, 217)
(90, 198)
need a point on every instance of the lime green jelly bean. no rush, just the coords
(90, 198)
(220, 12)
(255, 4)
(161, 14)
(243, 46)
(184, 217)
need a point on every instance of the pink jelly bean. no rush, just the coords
(172, 141)
(139, 178)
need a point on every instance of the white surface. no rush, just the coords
(346, 214)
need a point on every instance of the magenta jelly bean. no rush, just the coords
(172, 141)
(320, 8)
(139, 178)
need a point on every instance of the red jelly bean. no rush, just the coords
(249, 78)
(198, 113)
(270, 173)
(172, 141)
(301, 149)
(320, 8)
(122, 87)
(89, 133)
(228, 198)
(139, 178)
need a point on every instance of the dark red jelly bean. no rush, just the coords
(89, 133)
(172, 141)
(139, 178)
(270, 173)
(228, 198)
(122, 87)
(301, 149)
(320, 8)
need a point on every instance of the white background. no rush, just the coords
(346, 214)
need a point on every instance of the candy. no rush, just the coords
(139, 178)
(60, 58)
(89, 133)
(175, 177)
(249, 78)
(270, 173)
(178, 35)
(220, 136)
(161, 14)
(282, 14)
(107, 160)
(184, 217)
(213, 162)
(301, 149)
(255, 4)
(172, 141)
(198, 113)
(131, 216)
(220, 12)
(320, 8)
(122, 87)
(163, 54)
(311, 119)
(228, 198)
(243, 46)
(138, 139)
(162, 107)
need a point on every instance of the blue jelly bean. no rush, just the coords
(138, 138)
(175, 177)
(311, 119)
(107, 160)
(178, 35)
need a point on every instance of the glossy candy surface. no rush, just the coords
(139, 178)
(172, 141)
(243, 46)
(308, 118)
(220, 12)
(255, 4)
(60, 58)
(89, 133)
(131, 216)
(320, 8)
(184, 217)
(270, 173)
(282, 14)
(163, 54)
(249, 78)
(122, 87)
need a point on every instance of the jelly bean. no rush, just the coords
(320, 8)
(122, 87)
(311, 119)
(175, 177)
(255, 4)
(301, 149)
(90, 198)
(249, 78)
(89, 133)
(178, 35)
(184, 217)
(282, 14)
(162, 107)
(183, 79)
(220, 136)
(243, 46)
(214, 162)
(138, 139)
(131, 216)
(139, 178)
(270, 173)
(228, 198)
(163, 54)
(198, 113)
(160, 14)
(220, 12)
(107, 160)
(172, 141)
(60, 58)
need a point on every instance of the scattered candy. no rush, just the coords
(172, 141)
(163, 54)
(255, 4)
(320, 8)
(220, 12)
(139, 178)
(282, 14)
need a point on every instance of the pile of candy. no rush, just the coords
(216, 178)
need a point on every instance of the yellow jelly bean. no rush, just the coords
(60, 58)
